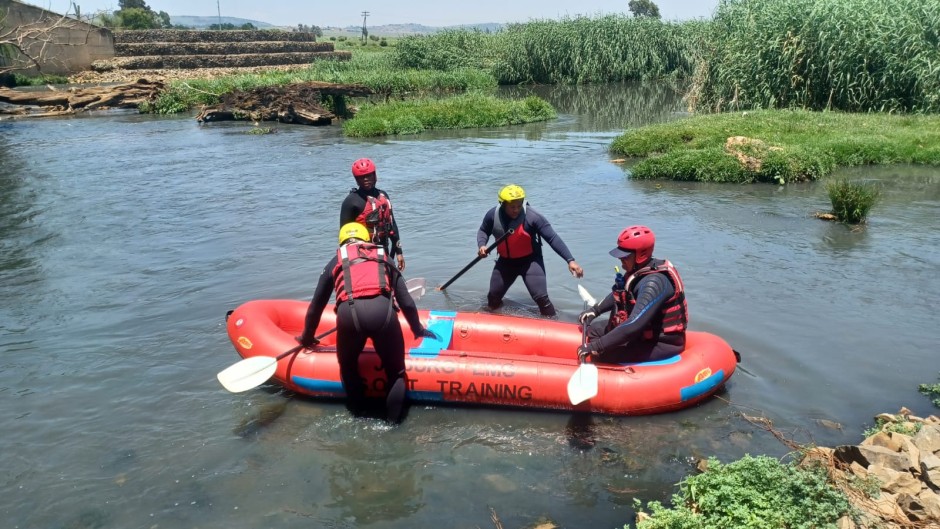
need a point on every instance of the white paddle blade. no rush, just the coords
(248, 373)
(583, 384)
(586, 296)
(416, 287)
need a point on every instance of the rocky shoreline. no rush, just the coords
(899, 468)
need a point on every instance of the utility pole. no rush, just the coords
(365, 32)
(219, 8)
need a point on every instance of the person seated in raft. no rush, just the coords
(362, 272)
(648, 312)
(370, 206)
(520, 254)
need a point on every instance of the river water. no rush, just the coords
(125, 238)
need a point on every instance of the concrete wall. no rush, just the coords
(69, 47)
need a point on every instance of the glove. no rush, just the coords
(585, 351)
(427, 333)
(308, 343)
(587, 316)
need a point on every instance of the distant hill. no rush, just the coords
(396, 30)
(204, 22)
(387, 30)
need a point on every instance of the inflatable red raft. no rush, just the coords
(485, 359)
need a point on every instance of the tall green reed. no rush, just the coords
(851, 201)
(571, 50)
(850, 55)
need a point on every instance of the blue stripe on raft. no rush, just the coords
(426, 396)
(700, 388)
(442, 323)
(663, 362)
(320, 386)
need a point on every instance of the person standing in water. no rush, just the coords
(520, 253)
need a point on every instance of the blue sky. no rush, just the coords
(427, 12)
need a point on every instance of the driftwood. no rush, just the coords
(63, 102)
(297, 103)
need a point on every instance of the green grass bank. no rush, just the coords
(777, 146)
(470, 110)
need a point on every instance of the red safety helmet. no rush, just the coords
(635, 239)
(362, 167)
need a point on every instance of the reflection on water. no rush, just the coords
(608, 107)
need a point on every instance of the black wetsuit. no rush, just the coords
(352, 207)
(625, 342)
(377, 319)
(530, 267)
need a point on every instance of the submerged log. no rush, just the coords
(298, 103)
(59, 102)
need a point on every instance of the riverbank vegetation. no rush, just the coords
(750, 493)
(932, 391)
(777, 146)
(888, 480)
(607, 49)
(852, 55)
(471, 110)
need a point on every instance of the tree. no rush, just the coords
(133, 4)
(138, 18)
(644, 8)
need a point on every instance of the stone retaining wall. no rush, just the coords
(158, 62)
(67, 46)
(193, 35)
(138, 49)
(192, 49)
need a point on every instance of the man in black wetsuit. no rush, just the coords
(648, 316)
(370, 206)
(360, 271)
(520, 254)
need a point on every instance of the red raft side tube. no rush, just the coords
(486, 359)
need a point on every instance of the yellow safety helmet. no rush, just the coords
(353, 230)
(510, 193)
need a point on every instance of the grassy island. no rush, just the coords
(777, 145)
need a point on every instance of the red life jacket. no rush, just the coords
(675, 312)
(361, 272)
(520, 243)
(376, 216)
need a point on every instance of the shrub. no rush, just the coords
(38, 80)
(851, 201)
(751, 493)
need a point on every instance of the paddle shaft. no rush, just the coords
(475, 261)
(299, 347)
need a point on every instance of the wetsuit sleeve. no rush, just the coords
(351, 208)
(605, 305)
(320, 298)
(407, 304)
(539, 224)
(486, 228)
(652, 292)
